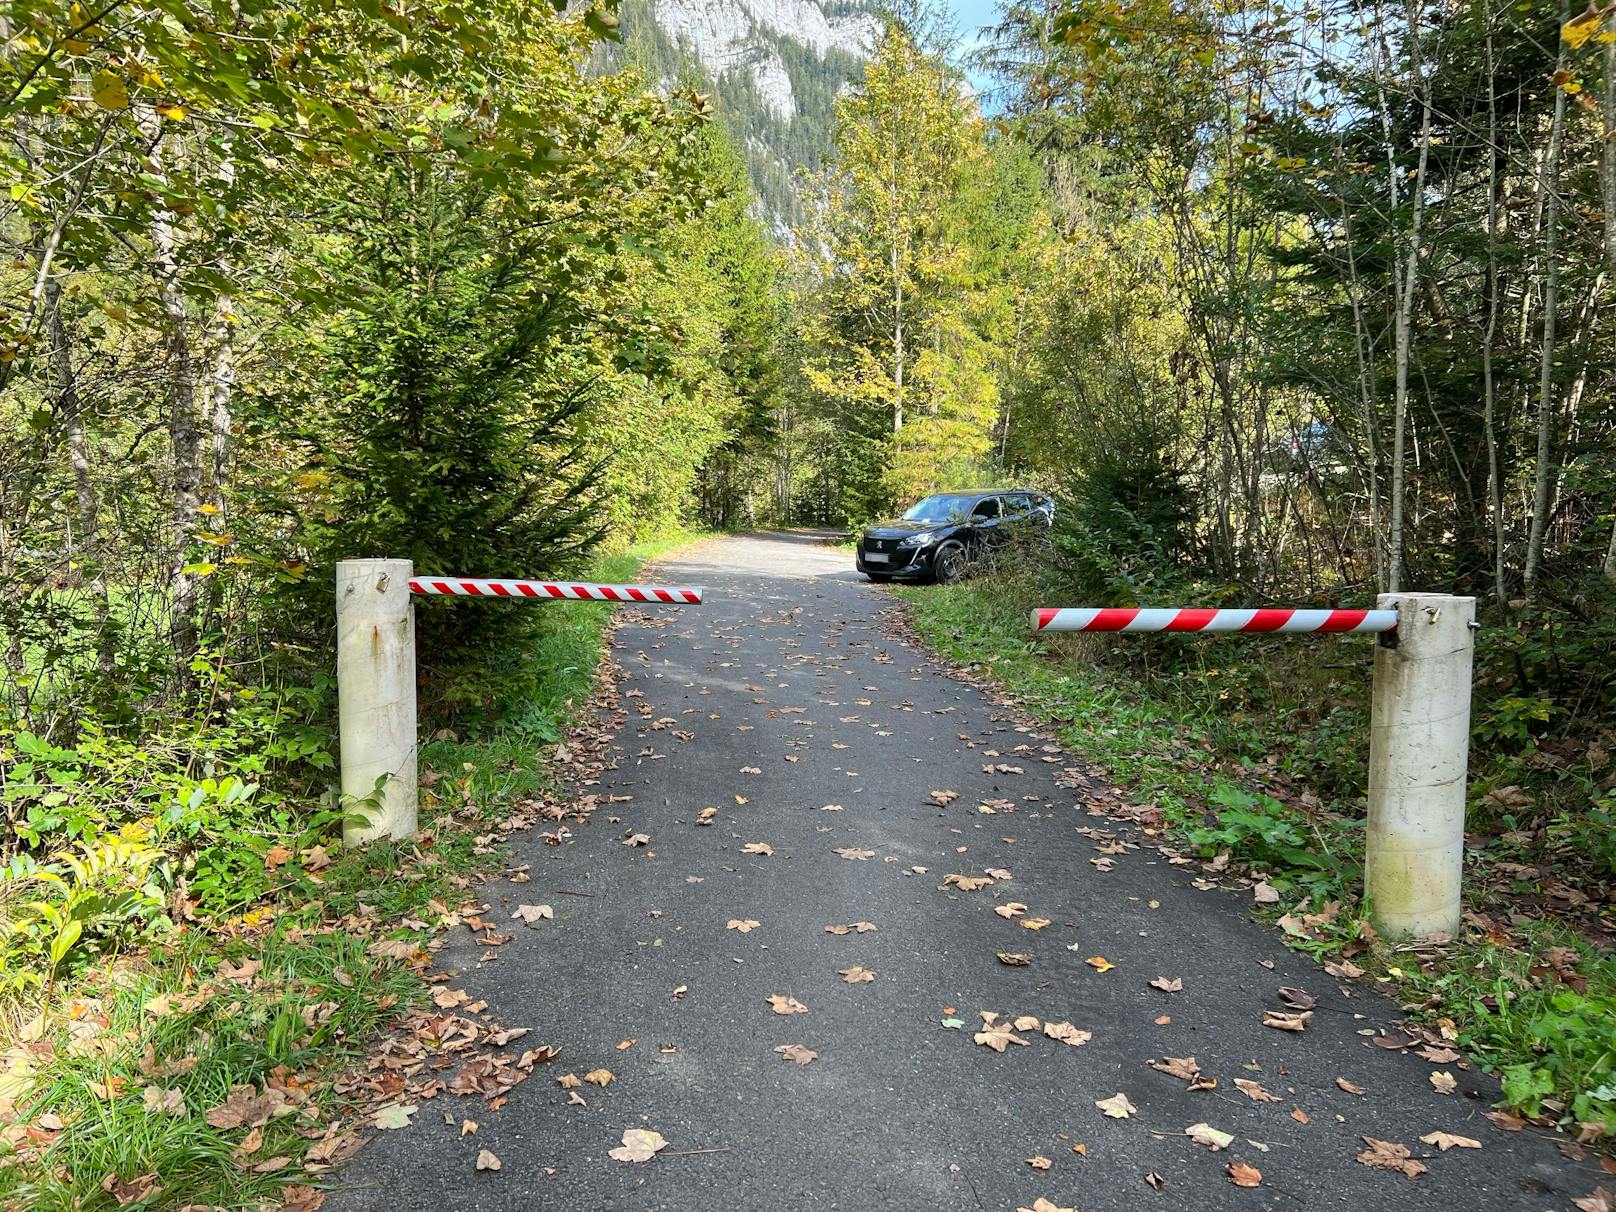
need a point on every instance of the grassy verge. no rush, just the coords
(1255, 749)
(206, 1066)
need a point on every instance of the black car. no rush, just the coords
(938, 537)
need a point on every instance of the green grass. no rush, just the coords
(1205, 734)
(318, 998)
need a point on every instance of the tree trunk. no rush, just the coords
(897, 343)
(1495, 471)
(184, 427)
(1543, 478)
(1404, 320)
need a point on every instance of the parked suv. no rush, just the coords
(938, 537)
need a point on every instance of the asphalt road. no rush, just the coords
(795, 696)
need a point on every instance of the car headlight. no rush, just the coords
(924, 539)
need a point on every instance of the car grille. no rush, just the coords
(880, 544)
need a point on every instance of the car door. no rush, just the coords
(987, 522)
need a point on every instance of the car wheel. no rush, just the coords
(948, 564)
(880, 578)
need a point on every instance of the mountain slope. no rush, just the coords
(775, 67)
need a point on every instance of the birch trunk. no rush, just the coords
(1543, 478)
(184, 425)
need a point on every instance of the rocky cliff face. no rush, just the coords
(776, 67)
(729, 35)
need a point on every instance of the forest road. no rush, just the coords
(789, 702)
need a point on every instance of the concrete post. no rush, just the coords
(376, 694)
(1419, 749)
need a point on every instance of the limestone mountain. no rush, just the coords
(775, 68)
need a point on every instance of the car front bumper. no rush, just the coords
(900, 563)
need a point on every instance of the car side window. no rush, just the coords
(1017, 506)
(986, 509)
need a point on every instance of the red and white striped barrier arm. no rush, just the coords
(1133, 618)
(483, 587)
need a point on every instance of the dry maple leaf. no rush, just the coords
(852, 852)
(164, 1101)
(1010, 909)
(1344, 970)
(998, 873)
(1033, 923)
(1043, 1205)
(787, 1005)
(1254, 1090)
(1388, 1155)
(1183, 1067)
(796, 1053)
(1350, 1087)
(1155, 1181)
(639, 1145)
(1068, 1034)
(1598, 1200)
(744, 925)
(486, 1160)
(998, 1036)
(1099, 963)
(1279, 1020)
(706, 815)
(1504, 1121)
(1117, 1106)
(637, 839)
(855, 974)
(757, 848)
(1243, 1175)
(244, 1107)
(1446, 1140)
(1263, 894)
(1443, 1082)
(1166, 985)
(533, 913)
(1015, 959)
(600, 1077)
(569, 1081)
(1027, 1022)
(967, 883)
(943, 798)
(1040, 1163)
(1298, 999)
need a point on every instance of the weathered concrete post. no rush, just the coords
(1419, 750)
(376, 695)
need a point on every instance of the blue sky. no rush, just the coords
(970, 16)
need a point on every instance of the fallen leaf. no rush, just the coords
(943, 798)
(1016, 959)
(967, 883)
(1388, 1155)
(757, 848)
(998, 1036)
(1182, 1067)
(787, 1005)
(163, 1101)
(796, 1053)
(529, 914)
(1027, 1022)
(1264, 894)
(1033, 923)
(393, 1116)
(569, 1081)
(706, 815)
(1446, 1140)
(1039, 1163)
(1599, 1200)
(600, 1077)
(1175, 985)
(246, 1108)
(1298, 999)
(637, 839)
(1443, 1081)
(1068, 1034)
(1010, 909)
(1213, 1138)
(1286, 1022)
(1043, 1205)
(468, 1127)
(1243, 1175)
(851, 852)
(1099, 963)
(1155, 1181)
(134, 1190)
(1117, 1106)
(855, 974)
(1349, 1087)
(1504, 1121)
(744, 925)
(639, 1145)
(486, 1160)
(251, 1143)
(1300, 1116)
(1344, 970)
(1254, 1091)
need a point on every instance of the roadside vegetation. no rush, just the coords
(1249, 754)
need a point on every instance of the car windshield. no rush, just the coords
(938, 509)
